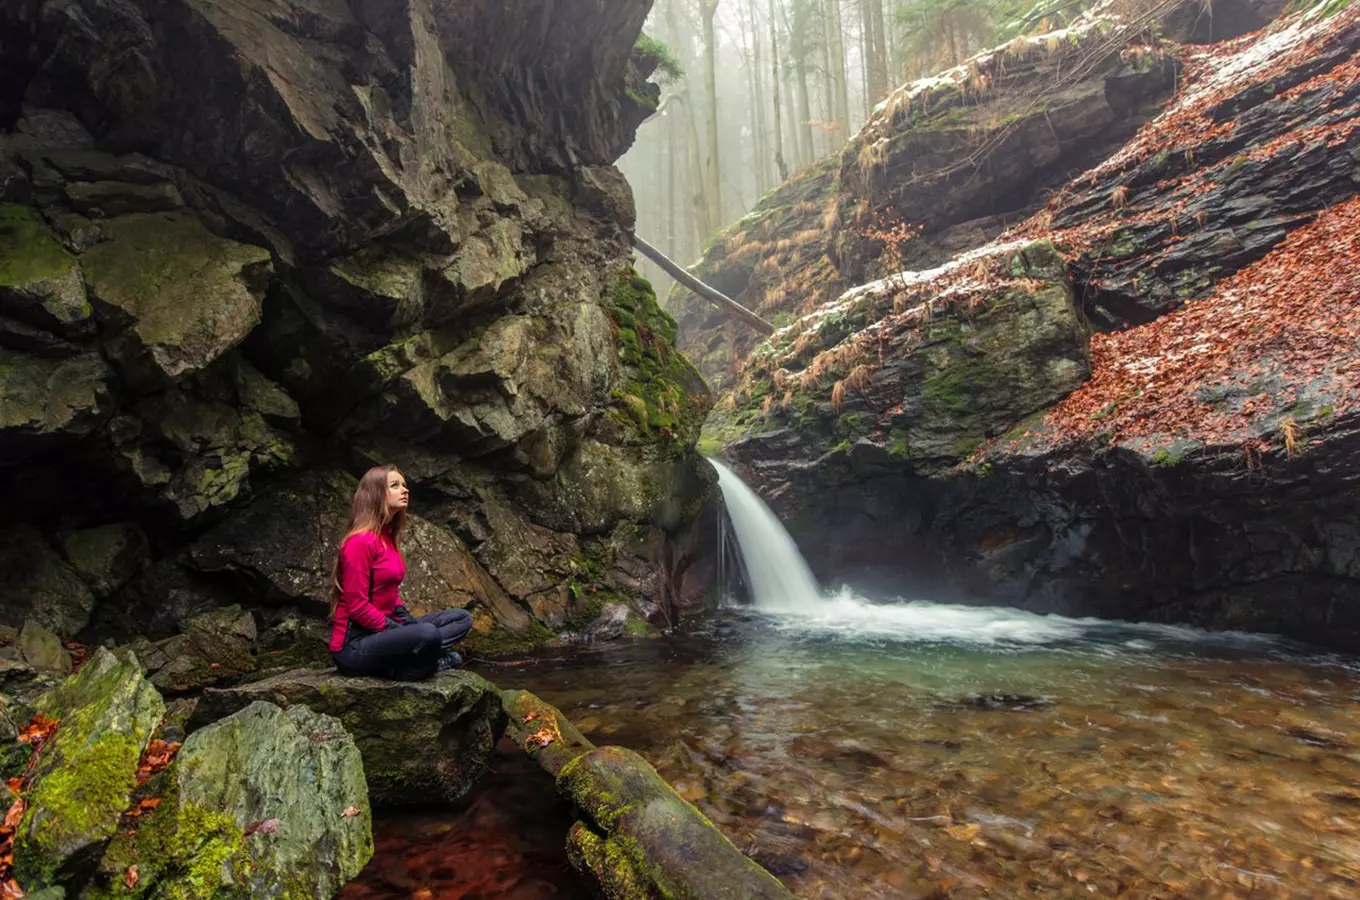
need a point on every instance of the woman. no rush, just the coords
(372, 633)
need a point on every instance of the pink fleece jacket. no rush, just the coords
(364, 556)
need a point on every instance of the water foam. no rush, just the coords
(783, 586)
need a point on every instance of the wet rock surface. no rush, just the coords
(249, 252)
(421, 742)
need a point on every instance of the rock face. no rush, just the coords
(264, 803)
(250, 249)
(87, 772)
(421, 742)
(1157, 422)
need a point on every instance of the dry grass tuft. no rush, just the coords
(859, 378)
(838, 396)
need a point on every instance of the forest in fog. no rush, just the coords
(754, 91)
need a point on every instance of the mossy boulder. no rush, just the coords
(422, 742)
(105, 557)
(638, 840)
(42, 650)
(42, 399)
(176, 295)
(40, 282)
(265, 803)
(216, 646)
(197, 454)
(86, 773)
(40, 585)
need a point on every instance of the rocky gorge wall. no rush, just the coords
(248, 249)
(1138, 400)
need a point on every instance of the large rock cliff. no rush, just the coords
(1139, 401)
(249, 248)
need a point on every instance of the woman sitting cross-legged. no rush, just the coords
(372, 633)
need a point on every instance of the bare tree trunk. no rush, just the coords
(895, 64)
(712, 295)
(866, 41)
(799, 29)
(713, 181)
(877, 53)
(835, 67)
(774, 86)
(758, 98)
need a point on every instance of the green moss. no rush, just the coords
(660, 396)
(668, 68)
(503, 642)
(1167, 457)
(638, 627)
(195, 846)
(897, 443)
(29, 252)
(70, 806)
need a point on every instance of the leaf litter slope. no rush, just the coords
(1215, 369)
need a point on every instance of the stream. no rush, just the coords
(929, 750)
(964, 752)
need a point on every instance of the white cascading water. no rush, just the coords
(780, 578)
(782, 583)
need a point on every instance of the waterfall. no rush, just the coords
(779, 577)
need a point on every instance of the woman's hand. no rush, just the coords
(403, 615)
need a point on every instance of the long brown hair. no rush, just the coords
(369, 515)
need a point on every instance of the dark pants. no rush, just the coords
(405, 653)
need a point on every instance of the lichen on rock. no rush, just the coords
(264, 803)
(421, 742)
(85, 775)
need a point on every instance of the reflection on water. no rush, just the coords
(508, 842)
(934, 751)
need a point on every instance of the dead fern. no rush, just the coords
(859, 378)
(838, 396)
(1289, 430)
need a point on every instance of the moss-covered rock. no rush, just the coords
(40, 282)
(422, 742)
(262, 804)
(86, 773)
(196, 454)
(216, 647)
(105, 557)
(42, 650)
(178, 295)
(42, 399)
(638, 840)
(660, 397)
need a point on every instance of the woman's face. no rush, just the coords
(398, 497)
